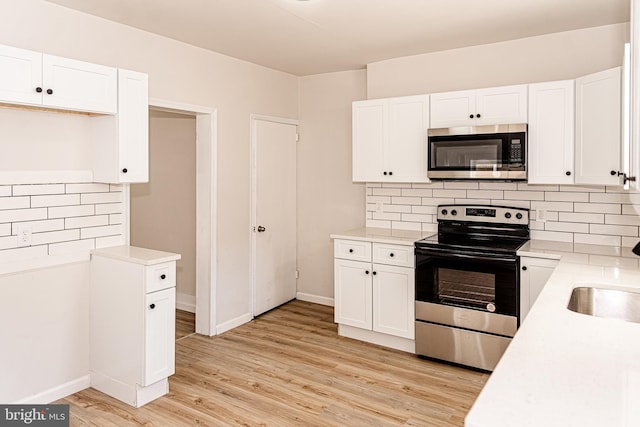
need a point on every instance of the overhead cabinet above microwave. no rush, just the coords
(490, 106)
(37, 79)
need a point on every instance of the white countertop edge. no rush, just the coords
(383, 235)
(136, 255)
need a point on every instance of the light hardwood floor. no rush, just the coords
(289, 367)
(185, 323)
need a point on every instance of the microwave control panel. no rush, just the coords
(515, 151)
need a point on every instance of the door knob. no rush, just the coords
(261, 229)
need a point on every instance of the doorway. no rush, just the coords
(273, 237)
(204, 215)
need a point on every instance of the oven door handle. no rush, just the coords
(463, 255)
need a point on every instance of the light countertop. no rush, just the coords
(564, 368)
(383, 235)
(136, 255)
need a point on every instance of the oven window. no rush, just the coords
(467, 155)
(461, 287)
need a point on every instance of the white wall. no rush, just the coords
(177, 72)
(163, 210)
(549, 57)
(328, 201)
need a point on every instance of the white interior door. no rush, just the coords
(274, 275)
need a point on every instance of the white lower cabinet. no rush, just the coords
(132, 322)
(534, 274)
(376, 295)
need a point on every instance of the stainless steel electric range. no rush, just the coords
(468, 284)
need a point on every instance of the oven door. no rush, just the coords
(478, 281)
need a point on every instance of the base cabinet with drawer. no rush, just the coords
(132, 322)
(375, 291)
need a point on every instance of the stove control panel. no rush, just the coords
(484, 213)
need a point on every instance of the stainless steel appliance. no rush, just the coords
(478, 152)
(468, 284)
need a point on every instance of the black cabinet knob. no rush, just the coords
(152, 306)
(390, 173)
(374, 273)
(350, 251)
(568, 173)
(50, 91)
(125, 170)
(366, 272)
(384, 173)
(471, 116)
(391, 255)
(163, 276)
(524, 268)
(613, 173)
(39, 89)
(478, 115)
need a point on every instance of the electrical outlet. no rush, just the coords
(541, 215)
(379, 207)
(24, 235)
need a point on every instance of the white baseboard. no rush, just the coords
(233, 323)
(185, 302)
(58, 392)
(315, 299)
(385, 340)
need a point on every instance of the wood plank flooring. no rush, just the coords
(185, 323)
(289, 367)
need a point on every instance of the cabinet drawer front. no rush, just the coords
(352, 249)
(161, 276)
(393, 254)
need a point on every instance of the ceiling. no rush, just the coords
(318, 36)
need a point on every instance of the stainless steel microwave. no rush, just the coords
(478, 152)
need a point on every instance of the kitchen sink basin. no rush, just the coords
(607, 303)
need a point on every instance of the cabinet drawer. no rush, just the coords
(400, 255)
(160, 276)
(352, 249)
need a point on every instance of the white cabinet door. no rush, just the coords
(353, 300)
(534, 274)
(20, 76)
(501, 105)
(634, 96)
(598, 128)
(490, 106)
(77, 85)
(450, 109)
(369, 133)
(405, 151)
(133, 127)
(394, 300)
(159, 336)
(551, 132)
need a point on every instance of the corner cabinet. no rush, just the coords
(37, 79)
(534, 274)
(121, 145)
(375, 292)
(490, 106)
(390, 139)
(132, 322)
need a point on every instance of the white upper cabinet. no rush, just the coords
(598, 128)
(490, 106)
(121, 144)
(390, 139)
(33, 78)
(551, 132)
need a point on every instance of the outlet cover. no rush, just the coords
(24, 235)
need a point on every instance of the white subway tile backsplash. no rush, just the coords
(618, 230)
(417, 218)
(36, 189)
(597, 239)
(64, 218)
(107, 230)
(498, 186)
(378, 224)
(370, 199)
(460, 185)
(88, 198)
(417, 192)
(609, 198)
(433, 201)
(629, 241)
(88, 188)
(68, 211)
(450, 194)
(582, 188)
(596, 208)
(401, 225)
(57, 200)
(573, 227)
(429, 210)
(473, 201)
(396, 208)
(566, 197)
(14, 203)
(536, 187)
(556, 236)
(524, 195)
(386, 192)
(622, 219)
(630, 209)
(406, 200)
(86, 221)
(485, 194)
(391, 216)
(525, 204)
(581, 217)
(553, 206)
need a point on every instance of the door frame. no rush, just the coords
(253, 193)
(206, 208)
